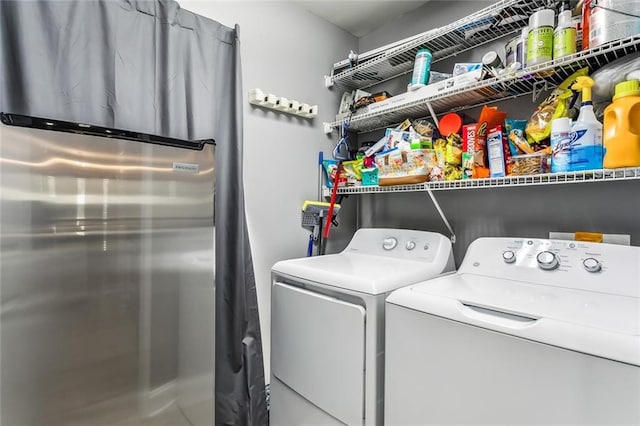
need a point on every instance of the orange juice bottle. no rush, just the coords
(622, 127)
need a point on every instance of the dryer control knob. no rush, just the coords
(592, 265)
(389, 243)
(410, 245)
(508, 256)
(547, 260)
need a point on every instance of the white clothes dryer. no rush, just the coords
(327, 324)
(528, 331)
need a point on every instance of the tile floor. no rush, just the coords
(173, 416)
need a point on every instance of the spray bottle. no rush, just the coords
(586, 133)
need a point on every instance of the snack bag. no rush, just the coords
(331, 168)
(440, 148)
(395, 137)
(352, 171)
(452, 172)
(423, 127)
(490, 117)
(431, 160)
(453, 157)
(453, 154)
(555, 106)
(468, 144)
(398, 167)
(467, 165)
(425, 131)
(515, 130)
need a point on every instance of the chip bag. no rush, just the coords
(453, 153)
(331, 169)
(516, 132)
(353, 171)
(555, 106)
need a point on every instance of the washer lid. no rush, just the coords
(595, 323)
(363, 273)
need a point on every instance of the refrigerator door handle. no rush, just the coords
(91, 130)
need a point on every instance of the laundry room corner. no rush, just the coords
(282, 48)
(535, 211)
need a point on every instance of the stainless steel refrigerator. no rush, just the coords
(106, 276)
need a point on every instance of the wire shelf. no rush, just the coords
(379, 189)
(500, 19)
(604, 175)
(526, 81)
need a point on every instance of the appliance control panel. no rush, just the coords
(400, 243)
(607, 268)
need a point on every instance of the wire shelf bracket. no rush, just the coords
(434, 116)
(539, 87)
(436, 204)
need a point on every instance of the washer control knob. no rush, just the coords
(389, 243)
(547, 260)
(508, 256)
(592, 265)
(410, 245)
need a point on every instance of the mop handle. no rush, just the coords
(334, 194)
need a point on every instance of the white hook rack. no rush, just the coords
(282, 104)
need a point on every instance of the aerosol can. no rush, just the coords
(586, 133)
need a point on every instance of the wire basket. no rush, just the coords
(311, 214)
(310, 219)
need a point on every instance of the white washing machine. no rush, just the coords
(527, 331)
(327, 325)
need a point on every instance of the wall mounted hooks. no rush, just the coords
(282, 104)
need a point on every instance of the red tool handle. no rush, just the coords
(334, 194)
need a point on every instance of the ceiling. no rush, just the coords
(359, 17)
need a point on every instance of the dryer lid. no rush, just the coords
(595, 323)
(362, 273)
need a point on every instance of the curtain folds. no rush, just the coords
(240, 383)
(152, 67)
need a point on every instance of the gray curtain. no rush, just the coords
(151, 67)
(240, 385)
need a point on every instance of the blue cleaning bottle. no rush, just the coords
(586, 134)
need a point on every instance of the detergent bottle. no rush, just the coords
(586, 133)
(622, 125)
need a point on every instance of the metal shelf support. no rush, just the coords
(452, 234)
(434, 116)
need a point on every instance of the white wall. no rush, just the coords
(286, 51)
(434, 14)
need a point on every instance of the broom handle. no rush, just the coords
(334, 194)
